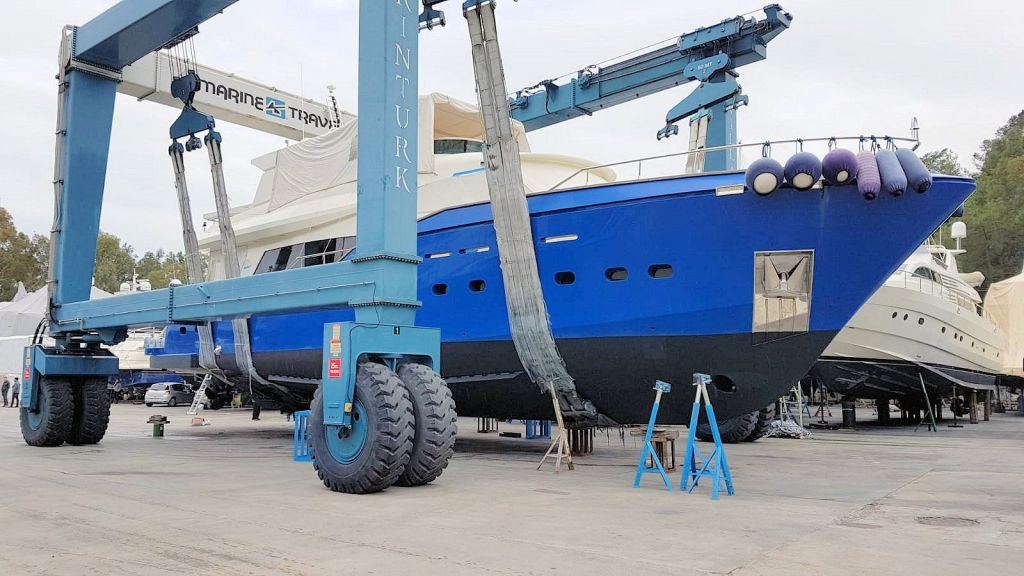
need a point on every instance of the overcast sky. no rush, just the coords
(844, 67)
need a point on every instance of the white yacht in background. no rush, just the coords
(927, 321)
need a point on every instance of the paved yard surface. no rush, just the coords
(227, 499)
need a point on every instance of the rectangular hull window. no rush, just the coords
(782, 293)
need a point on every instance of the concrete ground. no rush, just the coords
(227, 499)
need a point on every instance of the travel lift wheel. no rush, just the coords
(91, 413)
(51, 421)
(373, 453)
(436, 424)
(765, 417)
(733, 430)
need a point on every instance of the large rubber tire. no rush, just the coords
(436, 424)
(765, 417)
(91, 413)
(50, 423)
(732, 431)
(382, 421)
(172, 402)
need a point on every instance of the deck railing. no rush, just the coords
(692, 161)
(911, 281)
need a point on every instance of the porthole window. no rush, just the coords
(616, 274)
(943, 329)
(920, 321)
(440, 289)
(477, 285)
(905, 316)
(894, 314)
(660, 271)
(565, 278)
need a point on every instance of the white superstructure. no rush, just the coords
(928, 313)
(304, 209)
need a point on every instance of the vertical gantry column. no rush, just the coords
(388, 119)
(84, 141)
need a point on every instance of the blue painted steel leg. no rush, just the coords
(648, 448)
(716, 464)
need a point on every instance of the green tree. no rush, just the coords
(19, 259)
(944, 161)
(115, 262)
(994, 214)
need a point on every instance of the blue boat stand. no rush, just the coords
(302, 437)
(648, 448)
(715, 466)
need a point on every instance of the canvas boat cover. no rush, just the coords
(329, 160)
(1005, 305)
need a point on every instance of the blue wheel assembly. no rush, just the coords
(49, 424)
(436, 424)
(372, 454)
(345, 444)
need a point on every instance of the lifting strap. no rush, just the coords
(193, 260)
(527, 312)
(240, 326)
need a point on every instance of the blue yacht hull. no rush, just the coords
(651, 280)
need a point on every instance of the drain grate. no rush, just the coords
(946, 521)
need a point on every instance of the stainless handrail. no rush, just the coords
(939, 290)
(873, 140)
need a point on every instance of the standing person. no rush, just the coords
(5, 388)
(15, 392)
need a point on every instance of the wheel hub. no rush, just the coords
(345, 444)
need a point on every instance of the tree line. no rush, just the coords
(25, 259)
(994, 214)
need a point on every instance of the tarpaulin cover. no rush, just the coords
(1005, 304)
(330, 160)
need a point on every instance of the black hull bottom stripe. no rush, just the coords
(616, 374)
(893, 378)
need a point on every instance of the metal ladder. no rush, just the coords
(200, 394)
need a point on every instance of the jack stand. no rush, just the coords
(928, 403)
(955, 423)
(561, 441)
(715, 465)
(823, 406)
(648, 449)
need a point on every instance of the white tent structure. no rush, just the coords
(1005, 304)
(18, 321)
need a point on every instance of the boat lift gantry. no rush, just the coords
(63, 397)
(709, 55)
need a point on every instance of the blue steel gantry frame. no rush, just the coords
(709, 55)
(379, 281)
